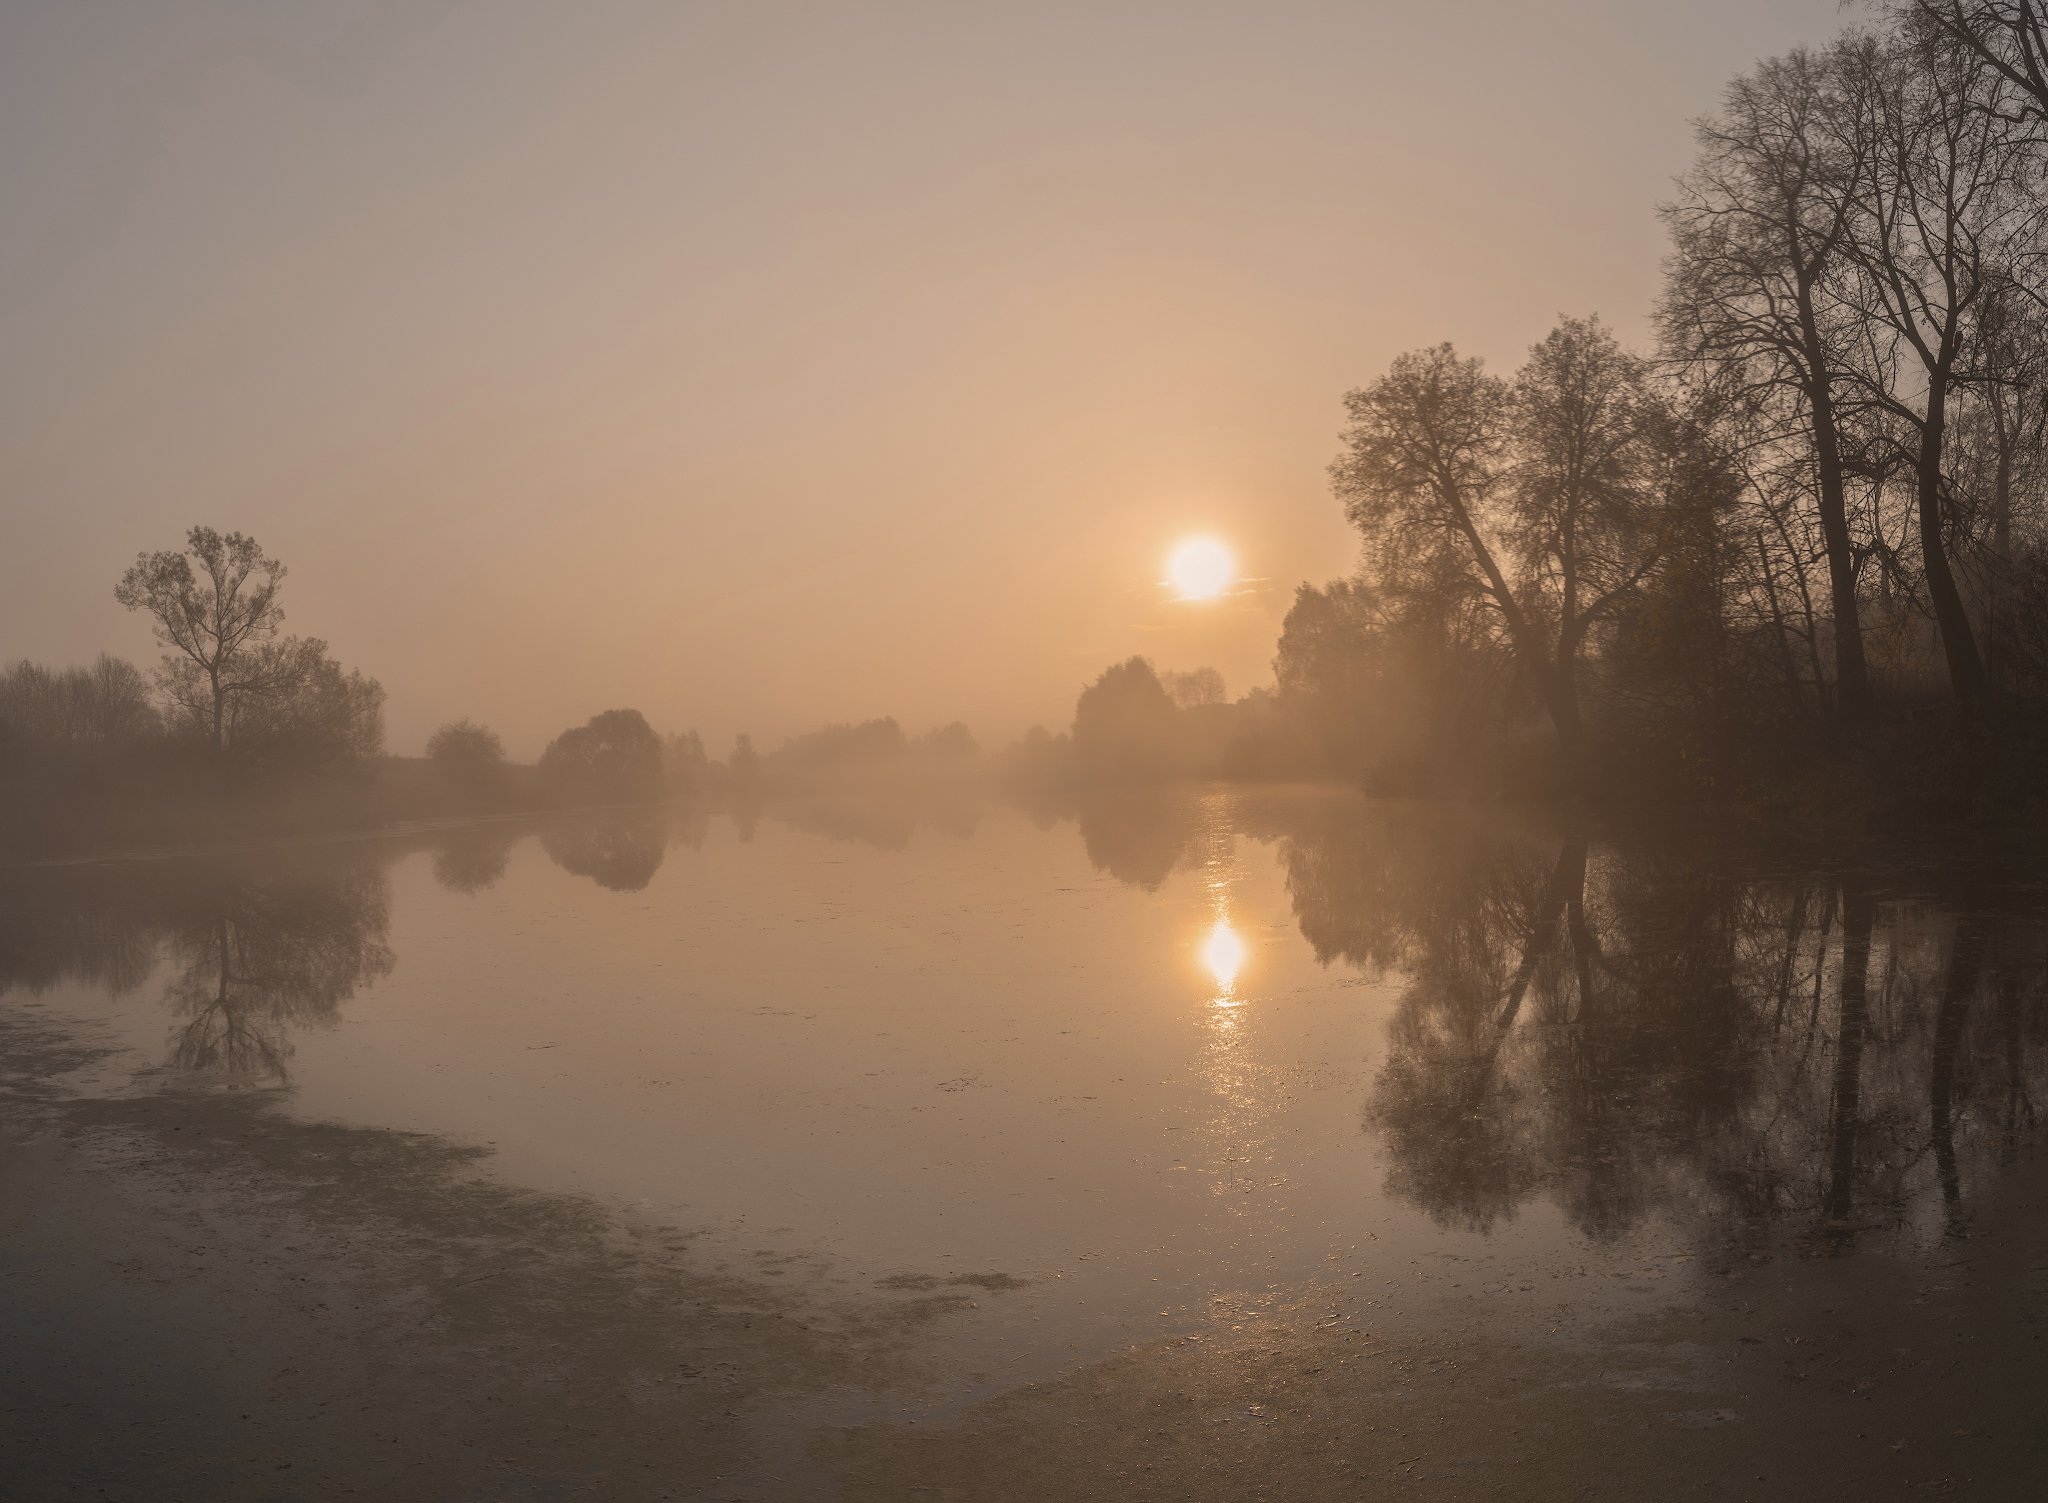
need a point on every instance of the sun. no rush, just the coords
(1201, 568)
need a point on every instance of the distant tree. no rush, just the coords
(1036, 768)
(1198, 686)
(951, 743)
(862, 747)
(685, 765)
(116, 710)
(295, 707)
(868, 751)
(1126, 724)
(467, 752)
(70, 712)
(613, 755)
(743, 767)
(214, 619)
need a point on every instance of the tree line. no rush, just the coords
(240, 723)
(231, 690)
(1815, 513)
(1818, 502)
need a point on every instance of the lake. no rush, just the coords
(1183, 1107)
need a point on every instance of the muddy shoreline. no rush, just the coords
(203, 1299)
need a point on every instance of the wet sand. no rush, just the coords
(203, 1299)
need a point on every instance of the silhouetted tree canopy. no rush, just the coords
(214, 619)
(470, 753)
(1125, 724)
(614, 755)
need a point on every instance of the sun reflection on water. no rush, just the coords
(1223, 954)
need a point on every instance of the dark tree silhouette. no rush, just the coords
(1752, 295)
(1126, 725)
(612, 756)
(213, 619)
(470, 753)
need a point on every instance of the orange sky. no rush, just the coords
(760, 364)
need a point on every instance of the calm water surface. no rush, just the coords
(1085, 1082)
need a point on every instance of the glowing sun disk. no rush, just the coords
(1201, 568)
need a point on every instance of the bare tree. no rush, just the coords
(2007, 37)
(1454, 478)
(213, 619)
(1587, 513)
(1750, 293)
(1935, 217)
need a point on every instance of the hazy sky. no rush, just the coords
(762, 364)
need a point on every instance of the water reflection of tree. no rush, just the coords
(473, 857)
(619, 849)
(1139, 834)
(251, 948)
(278, 951)
(1626, 1031)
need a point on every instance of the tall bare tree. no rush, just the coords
(215, 619)
(1937, 214)
(2008, 37)
(1751, 299)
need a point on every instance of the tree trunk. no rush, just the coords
(2001, 549)
(1852, 674)
(1958, 639)
(1563, 699)
(1560, 692)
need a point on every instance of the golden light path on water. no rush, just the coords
(1236, 1136)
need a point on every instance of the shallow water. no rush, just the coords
(1166, 1064)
